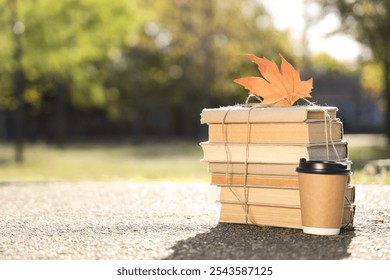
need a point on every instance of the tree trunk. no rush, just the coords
(18, 83)
(386, 72)
(209, 74)
(60, 113)
(18, 88)
(138, 136)
(190, 101)
(138, 122)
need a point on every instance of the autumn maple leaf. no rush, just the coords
(280, 88)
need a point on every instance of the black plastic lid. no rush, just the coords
(323, 167)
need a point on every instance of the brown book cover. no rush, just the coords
(252, 168)
(240, 114)
(272, 153)
(276, 133)
(271, 196)
(288, 217)
(261, 215)
(254, 180)
(255, 168)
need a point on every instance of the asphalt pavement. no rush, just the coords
(168, 220)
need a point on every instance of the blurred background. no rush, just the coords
(113, 90)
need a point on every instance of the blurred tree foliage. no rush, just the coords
(63, 41)
(186, 56)
(327, 64)
(153, 63)
(372, 78)
(60, 45)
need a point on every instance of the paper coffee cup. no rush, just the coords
(322, 191)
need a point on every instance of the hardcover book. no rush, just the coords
(289, 217)
(239, 114)
(271, 196)
(272, 153)
(313, 132)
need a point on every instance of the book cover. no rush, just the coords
(252, 168)
(275, 133)
(239, 114)
(261, 215)
(272, 153)
(288, 217)
(271, 196)
(254, 180)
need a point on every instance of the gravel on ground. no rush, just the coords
(168, 220)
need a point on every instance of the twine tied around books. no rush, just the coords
(244, 204)
(327, 117)
(260, 104)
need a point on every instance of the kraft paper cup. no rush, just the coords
(322, 191)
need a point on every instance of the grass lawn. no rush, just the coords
(361, 156)
(168, 161)
(172, 161)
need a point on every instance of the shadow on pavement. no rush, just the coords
(236, 242)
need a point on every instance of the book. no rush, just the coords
(271, 196)
(252, 168)
(288, 217)
(267, 196)
(255, 168)
(304, 132)
(272, 153)
(240, 114)
(253, 180)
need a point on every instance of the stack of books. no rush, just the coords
(252, 154)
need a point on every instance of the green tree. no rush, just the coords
(369, 22)
(58, 47)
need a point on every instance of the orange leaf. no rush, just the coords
(279, 88)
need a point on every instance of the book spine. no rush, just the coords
(275, 133)
(271, 196)
(253, 180)
(279, 154)
(271, 215)
(264, 115)
(252, 169)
